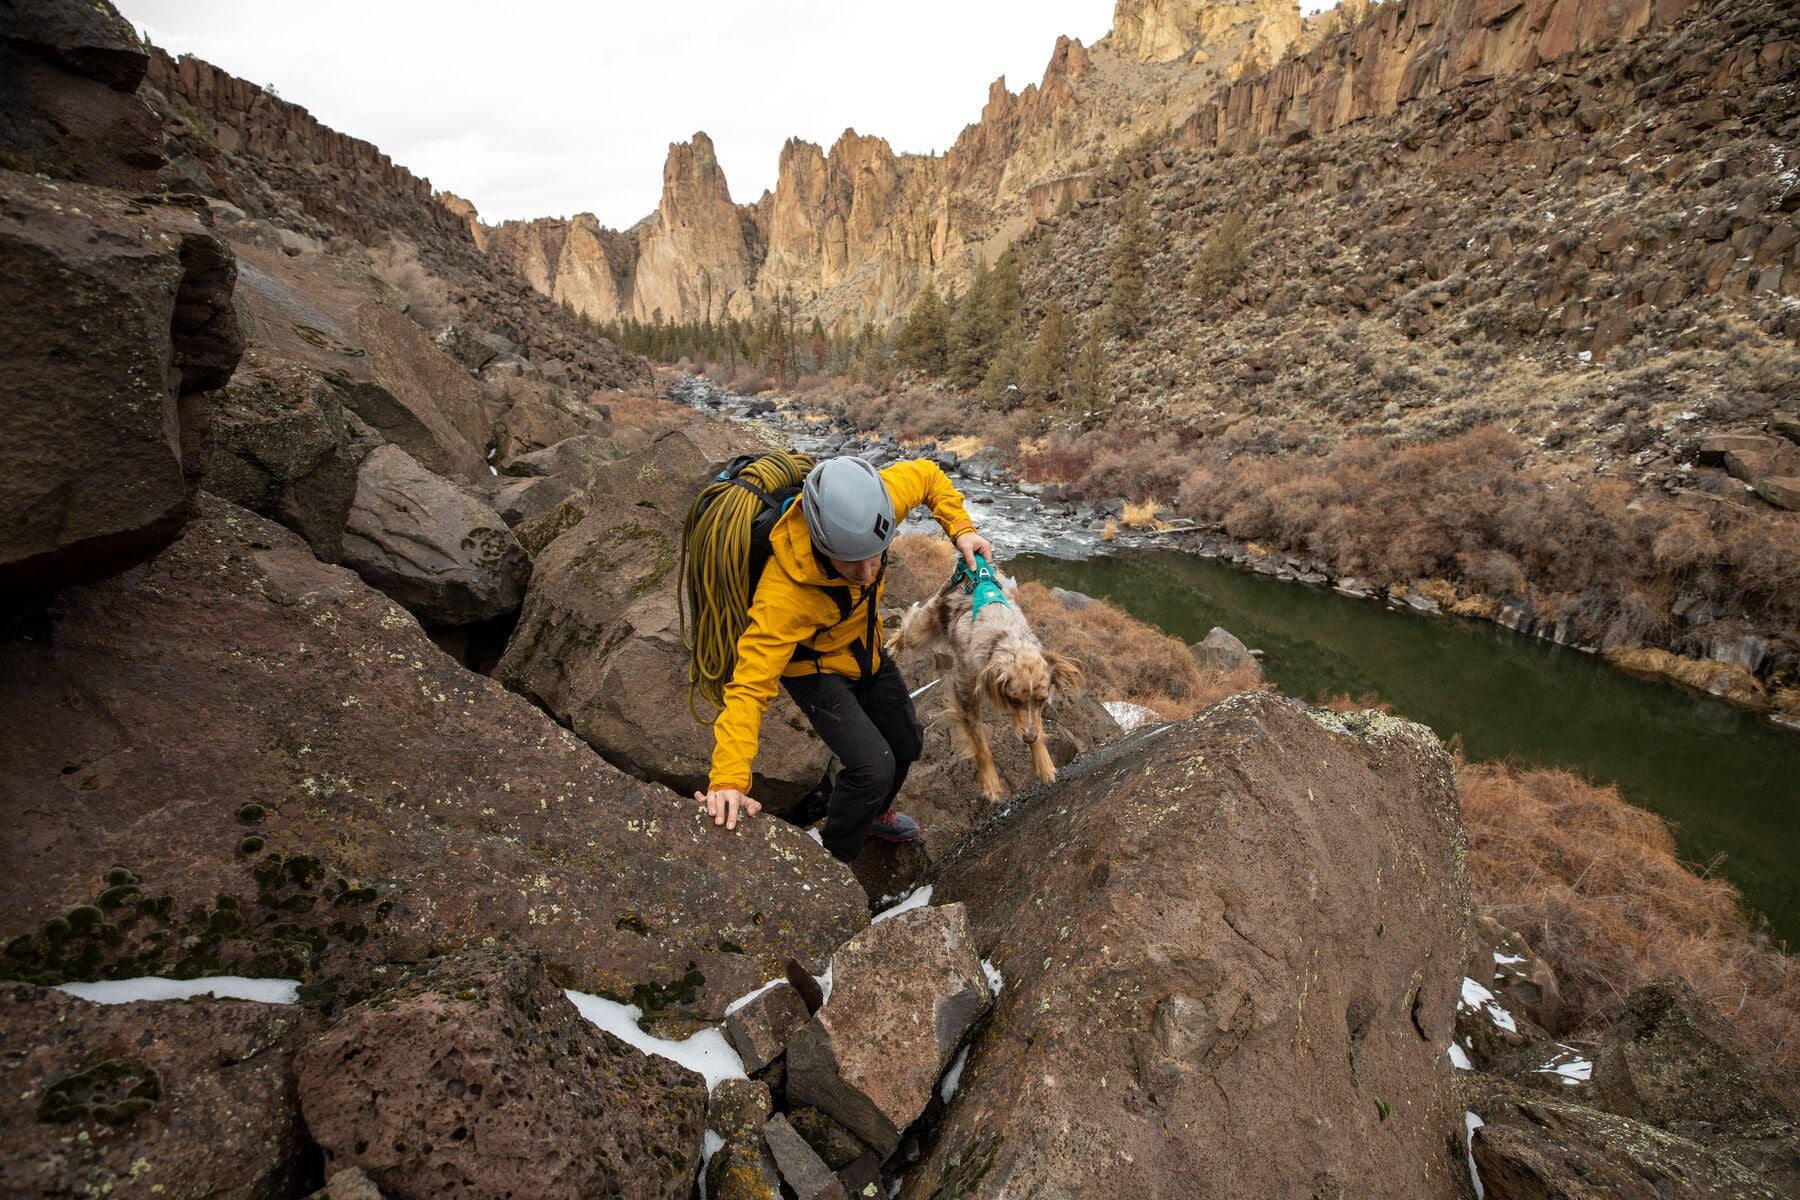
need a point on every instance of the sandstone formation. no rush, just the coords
(853, 232)
(113, 316)
(903, 993)
(447, 559)
(478, 1078)
(245, 760)
(598, 643)
(164, 1097)
(1206, 930)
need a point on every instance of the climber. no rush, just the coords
(814, 625)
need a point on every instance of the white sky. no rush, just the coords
(553, 107)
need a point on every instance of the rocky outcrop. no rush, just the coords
(113, 317)
(599, 645)
(904, 991)
(243, 760)
(68, 105)
(1164, 30)
(1258, 912)
(163, 1097)
(446, 558)
(692, 256)
(477, 1077)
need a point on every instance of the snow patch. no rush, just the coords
(1568, 1065)
(918, 899)
(1507, 959)
(747, 997)
(1476, 998)
(710, 1145)
(996, 981)
(816, 836)
(706, 1052)
(1471, 1123)
(1460, 1058)
(824, 982)
(154, 987)
(953, 1076)
(1129, 715)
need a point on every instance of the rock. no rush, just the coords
(536, 533)
(598, 644)
(478, 1077)
(829, 1140)
(348, 1185)
(300, 781)
(743, 1169)
(532, 423)
(574, 460)
(419, 398)
(1536, 1147)
(281, 447)
(519, 500)
(449, 560)
(862, 1177)
(1497, 1035)
(889, 871)
(1248, 903)
(800, 1168)
(1671, 1059)
(1220, 652)
(1504, 961)
(1071, 600)
(759, 1031)
(68, 78)
(174, 1097)
(737, 1106)
(109, 317)
(903, 993)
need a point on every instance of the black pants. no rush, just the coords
(871, 727)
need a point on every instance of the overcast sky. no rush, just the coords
(552, 107)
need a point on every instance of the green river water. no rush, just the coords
(1728, 783)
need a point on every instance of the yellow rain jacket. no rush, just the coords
(791, 609)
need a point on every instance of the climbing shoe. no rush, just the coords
(891, 826)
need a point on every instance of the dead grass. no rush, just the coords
(1596, 886)
(1126, 659)
(1141, 515)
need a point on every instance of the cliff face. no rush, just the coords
(852, 232)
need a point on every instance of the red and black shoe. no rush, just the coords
(893, 826)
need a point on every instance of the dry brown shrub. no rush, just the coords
(1124, 658)
(1597, 888)
(1141, 515)
(428, 300)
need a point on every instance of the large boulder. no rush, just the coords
(598, 644)
(903, 993)
(479, 1078)
(448, 559)
(282, 448)
(242, 759)
(575, 460)
(174, 1097)
(1220, 651)
(68, 106)
(1232, 949)
(109, 316)
(534, 421)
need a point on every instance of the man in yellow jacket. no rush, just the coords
(815, 628)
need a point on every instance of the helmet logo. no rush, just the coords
(882, 525)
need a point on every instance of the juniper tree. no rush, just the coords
(1087, 383)
(922, 340)
(1047, 366)
(974, 328)
(1222, 261)
(1125, 306)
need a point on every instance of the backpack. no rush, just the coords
(724, 550)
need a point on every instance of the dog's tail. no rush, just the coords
(925, 624)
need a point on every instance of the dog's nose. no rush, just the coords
(1031, 735)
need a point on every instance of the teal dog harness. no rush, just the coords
(979, 583)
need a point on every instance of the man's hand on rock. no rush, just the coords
(970, 544)
(724, 805)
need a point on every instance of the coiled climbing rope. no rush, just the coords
(715, 589)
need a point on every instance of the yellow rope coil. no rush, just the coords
(714, 597)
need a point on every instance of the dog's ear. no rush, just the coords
(992, 680)
(1065, 673)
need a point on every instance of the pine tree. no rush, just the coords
(1222, 262)
(1126, 304)
(1000, 387)
(921, 343)
(1047, 366)
(1087, 384)
(974, 330)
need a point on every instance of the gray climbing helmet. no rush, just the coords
(848, 511)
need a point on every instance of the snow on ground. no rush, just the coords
(918, 899)
(1129, 715)
(1568, 1065)
(710, 1145)
(152, 987)
(747, 997)
(996, 981)
(706, 1052)
(816, 836)
(1471, 1123)
(1460, 1058)
(953, 1076)
(1476, 998)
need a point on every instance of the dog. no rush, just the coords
(998, 657)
